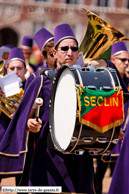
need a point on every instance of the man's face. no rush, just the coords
(66, 53)
(51, 61)
(121, 62)
(27, 53)
(38, 57)
(18, 67)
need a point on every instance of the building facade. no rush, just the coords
(22, 17)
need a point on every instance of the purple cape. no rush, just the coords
(13, 146)
(48, 166)
(120, 179)
(124, 83)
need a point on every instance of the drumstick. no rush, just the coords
(38, 102)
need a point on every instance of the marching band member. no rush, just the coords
(39, 61)
(45, 42)
(73, 172)
(119, 183)
(26, 46)
(49, 167)
(16, 63)
(120, 58)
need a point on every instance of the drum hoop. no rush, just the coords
(51, 106)
(80, 130)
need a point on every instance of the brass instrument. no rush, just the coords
(8, 105)
(2, 72)
(98, 38)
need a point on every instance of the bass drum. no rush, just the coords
(67, 133)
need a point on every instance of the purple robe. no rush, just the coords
(120, 179)
(13, 146)
(48, 167)
(115, 152)
(7, 162)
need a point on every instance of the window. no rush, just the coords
(71, 1)
(102, 3)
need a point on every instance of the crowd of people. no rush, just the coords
(24, 152)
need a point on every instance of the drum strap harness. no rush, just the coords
(100, 109)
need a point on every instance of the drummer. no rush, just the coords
(49, 167)
(73, 172)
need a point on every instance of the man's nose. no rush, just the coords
(69, 52)
(16, 71)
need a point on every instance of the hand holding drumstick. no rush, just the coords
(34, 124)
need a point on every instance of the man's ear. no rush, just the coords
(44, 58)
(54, 53)
(112, 59)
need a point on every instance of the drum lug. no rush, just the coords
(101, 140)
(78, 152)
(49, 103)
(115, 141)
(87, 139)
(77, 114)
(74, 139)
(54, 79)
(106, 88)
(50, 128)
(91, 87)
(99, 69)
(92, 153)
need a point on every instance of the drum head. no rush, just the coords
(65, 107)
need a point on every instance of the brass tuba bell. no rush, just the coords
(9, 105)
(98, 38)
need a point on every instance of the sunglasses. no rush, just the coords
(51, 55)
(123, 59)
(66, 48)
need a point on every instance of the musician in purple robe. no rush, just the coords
(119, 183)
(26, 46)
(16, 63)
(120, 58)
(49, 167)
(45, 42)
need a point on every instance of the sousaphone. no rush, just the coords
(99, 37)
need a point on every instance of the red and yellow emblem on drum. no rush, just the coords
(100, 109)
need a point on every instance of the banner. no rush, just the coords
(100, 109)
